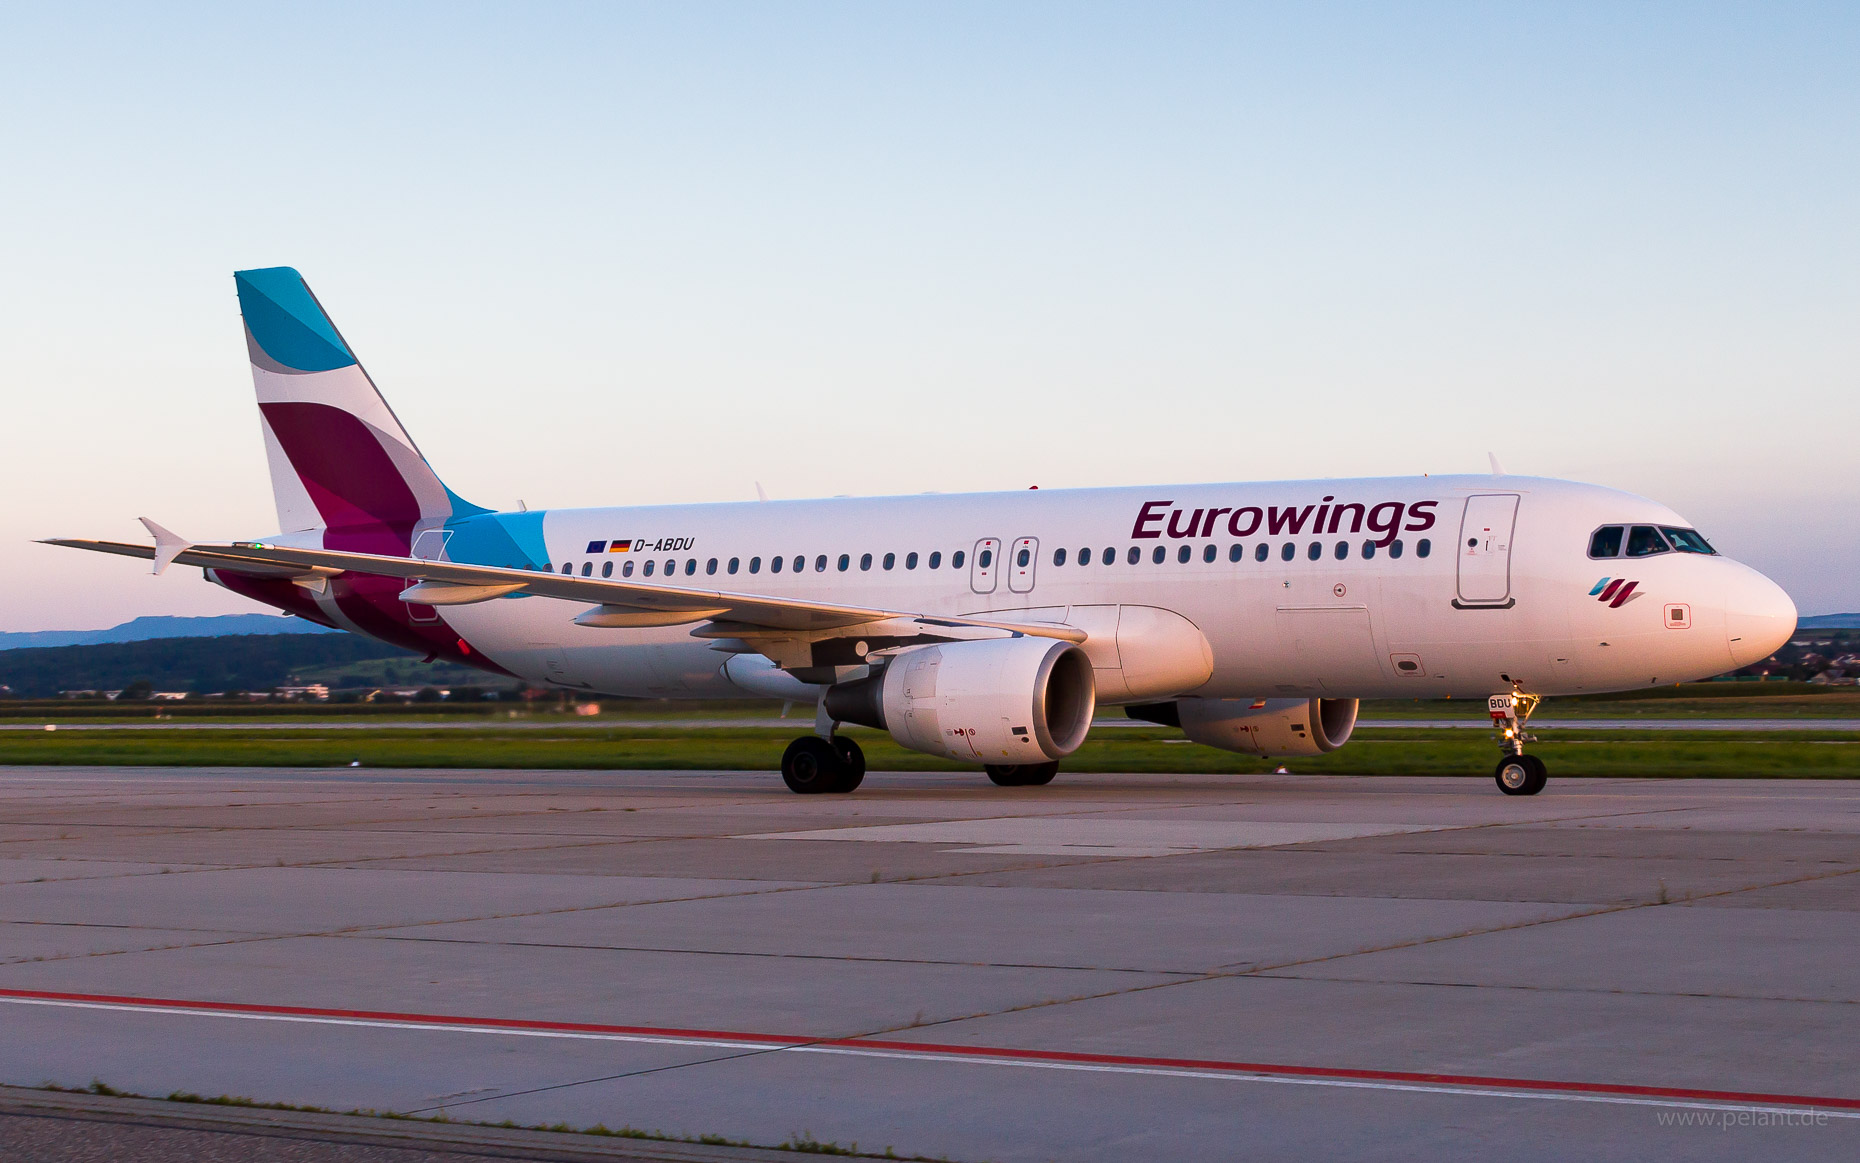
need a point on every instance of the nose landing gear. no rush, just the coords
(1517, 774)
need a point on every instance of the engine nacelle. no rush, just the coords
(1273, 728)
(991, 700)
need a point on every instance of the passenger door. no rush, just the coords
(984, 564)
(1023, 559)
(1485, 551)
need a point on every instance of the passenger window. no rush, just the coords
(956, 559)
(1236, 552)
(607, 569)
(1645, 541)
(774, 565)
(1110, 556)
(626, 569)
(710, 566)
(1208, 551)
(1059, 557)
(891, 559)
(1687, 540)
(691, 566)
(1315, 551)
(1606, 541)
(936, 559)
(755, 564)
(1287, 551)
(1395, 548)
(1084, 557)
(1343, 550)
(1261, 551)
(649, 567)
(568, 567)
(820, 563)
(1422, 548)
(1182, 554)
(865, 562)
(734, 562)
(587, 567)
(800, 563)
(910, 560)
(1369, 550)
(1135, 555)
(987, 559)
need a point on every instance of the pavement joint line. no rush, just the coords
(846, 957)
(1002, 1056)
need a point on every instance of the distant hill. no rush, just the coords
(250, 662)
(144, 629)
(1829, 622)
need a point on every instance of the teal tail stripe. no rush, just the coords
(286, 322)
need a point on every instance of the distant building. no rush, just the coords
(316, 691)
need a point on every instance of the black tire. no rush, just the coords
(1038, 774)
(1021, 774)
(852, 759)
(1514, 775)
(812, 765)
(1540, 775)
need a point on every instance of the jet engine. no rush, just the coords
(1010, 701)
(1269, 727)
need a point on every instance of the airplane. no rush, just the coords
(985, 627)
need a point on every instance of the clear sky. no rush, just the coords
(612, 254)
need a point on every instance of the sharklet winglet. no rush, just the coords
(168, 545)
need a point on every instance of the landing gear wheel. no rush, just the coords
(1021, 774)
(1521, 775)
(852, 761)
(812, 765)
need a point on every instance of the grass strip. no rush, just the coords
(1373, 751)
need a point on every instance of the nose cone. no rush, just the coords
(1758, 617)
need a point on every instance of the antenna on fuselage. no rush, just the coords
(1498, 470)
(762, 494)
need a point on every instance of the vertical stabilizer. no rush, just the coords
(340, 460)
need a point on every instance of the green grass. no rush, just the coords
(1372, 751)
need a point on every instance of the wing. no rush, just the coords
(617, 603)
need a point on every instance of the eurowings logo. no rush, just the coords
(1614, 591)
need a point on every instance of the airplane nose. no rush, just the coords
(1758, 617)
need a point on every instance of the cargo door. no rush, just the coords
(1023, 559)
(1485, 551)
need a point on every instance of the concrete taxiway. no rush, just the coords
(1167, 967)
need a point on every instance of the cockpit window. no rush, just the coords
(1687, 540)
(1606, 542)
(1645, 541)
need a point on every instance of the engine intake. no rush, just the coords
(994, 700)
(1274, 728)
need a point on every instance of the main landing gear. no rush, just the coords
(1021, 775)
(812, 764)
(1517, 774)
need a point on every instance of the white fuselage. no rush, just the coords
(1473, 604)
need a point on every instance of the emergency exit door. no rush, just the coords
(1485, 551)
(1023, 559)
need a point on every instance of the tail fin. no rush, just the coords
(340, 459)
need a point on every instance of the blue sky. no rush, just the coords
(611, 254)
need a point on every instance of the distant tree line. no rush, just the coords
(238, 662)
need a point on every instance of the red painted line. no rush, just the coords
(1267, 1069)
